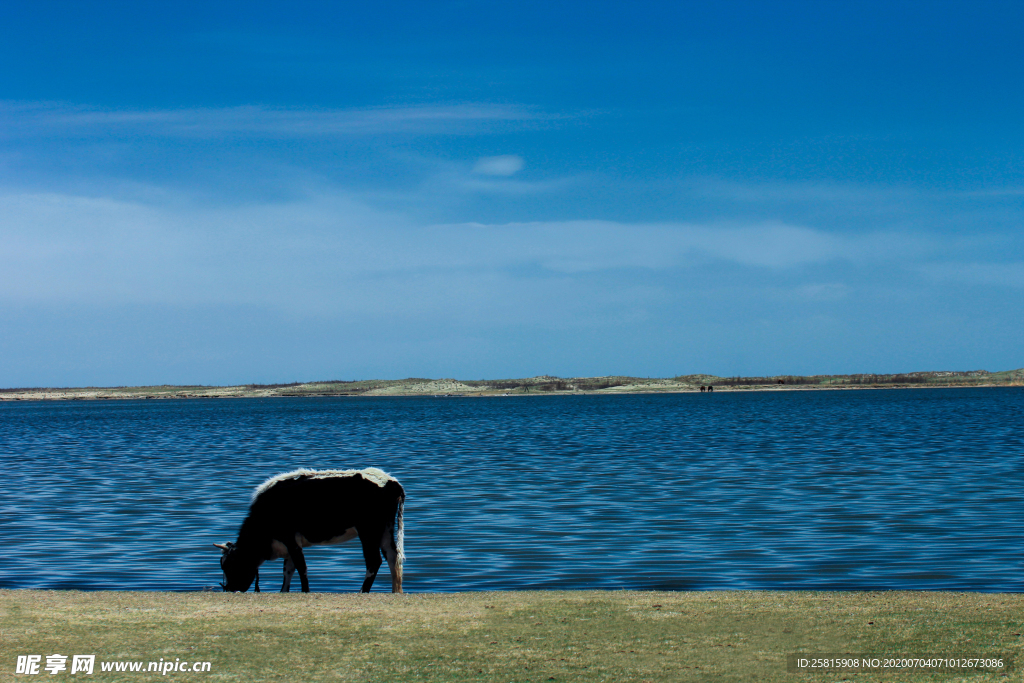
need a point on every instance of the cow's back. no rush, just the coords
(322, 505)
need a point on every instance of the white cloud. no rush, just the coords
(331, 252)
(505, 165)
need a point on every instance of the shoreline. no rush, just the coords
(193, 392)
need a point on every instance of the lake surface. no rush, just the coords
(887, 489)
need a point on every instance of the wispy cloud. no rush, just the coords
(975, 273)
(585, 246)
(319, 250)
(462, 118)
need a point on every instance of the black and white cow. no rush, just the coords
(317, 507)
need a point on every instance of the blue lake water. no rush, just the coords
(889, 489)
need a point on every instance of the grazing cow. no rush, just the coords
(309, 507)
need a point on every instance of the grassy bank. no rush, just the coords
(513, 636)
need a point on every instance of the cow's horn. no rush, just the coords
(222, 546)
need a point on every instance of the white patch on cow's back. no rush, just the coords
(372, 474)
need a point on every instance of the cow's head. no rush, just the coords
(239, 570)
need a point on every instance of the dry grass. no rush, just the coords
(509, 636)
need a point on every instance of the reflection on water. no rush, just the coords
(909, 489)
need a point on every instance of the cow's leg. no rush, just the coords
(370, 538)
(299, 560)
(289, 570)
(387, 546)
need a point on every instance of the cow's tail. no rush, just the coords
(400, 530)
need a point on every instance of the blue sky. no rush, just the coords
(228, 192)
